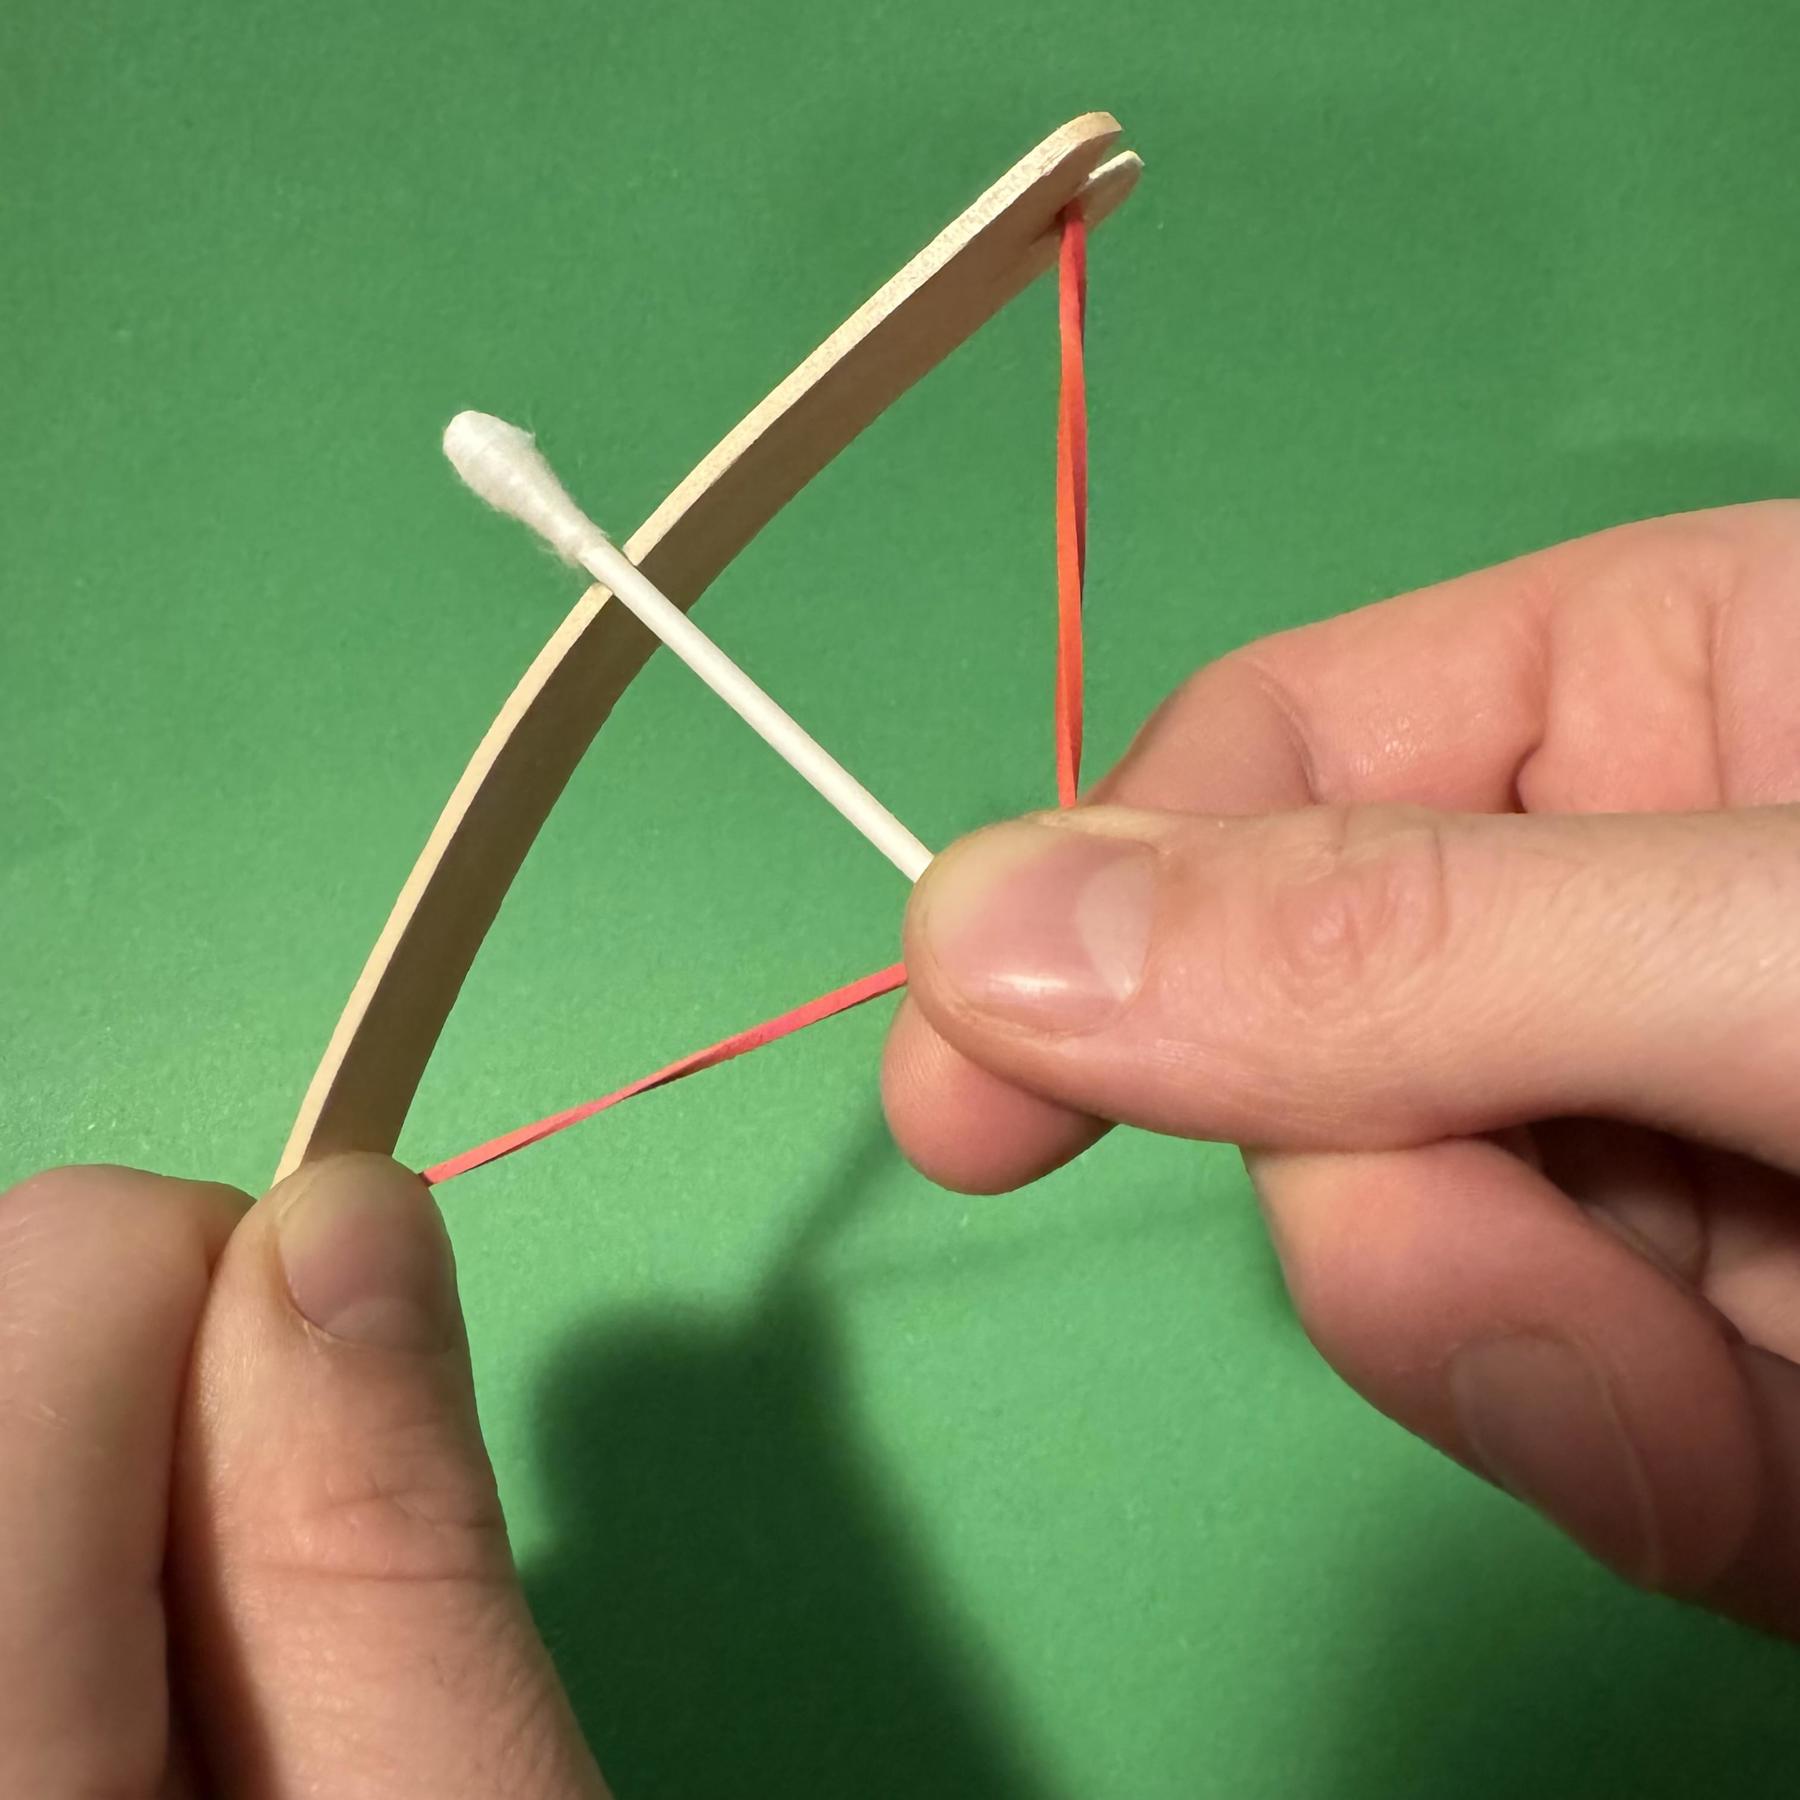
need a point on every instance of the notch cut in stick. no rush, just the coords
(503, 465)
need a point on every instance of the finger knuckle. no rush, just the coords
(408, 1504)
(1357, 911)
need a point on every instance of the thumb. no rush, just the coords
(1371, 978)
(352, 1621)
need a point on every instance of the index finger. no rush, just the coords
(1646, 667)
(104, 1273)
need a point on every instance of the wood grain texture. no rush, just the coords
(371, 1069)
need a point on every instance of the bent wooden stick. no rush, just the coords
(363, 1087)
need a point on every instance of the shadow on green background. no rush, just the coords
(1060, 1505)
(753, 1616)
(739, 1607)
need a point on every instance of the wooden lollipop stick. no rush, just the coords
(504, 466)
(371, 1068)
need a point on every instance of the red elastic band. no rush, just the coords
(1071, 564)
(855, 993)
(1071, 503)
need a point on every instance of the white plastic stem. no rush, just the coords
(502, 464)
(607, 563)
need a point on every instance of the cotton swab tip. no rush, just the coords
(503, 465)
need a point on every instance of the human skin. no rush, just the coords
(249, 1539)
(1473, 915)
(1471, 912)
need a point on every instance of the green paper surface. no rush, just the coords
(825, 1482)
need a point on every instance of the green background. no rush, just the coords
(824, 1482)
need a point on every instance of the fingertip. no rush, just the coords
(366, 1170)
(1460, 1293)
(130, 1204)
(105, 1274)
(336, 1425)
(365, 1256)
(966, 1129)
(76, 1181)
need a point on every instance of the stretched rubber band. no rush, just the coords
(1071, 568)
(1071, 502)
(855, 993)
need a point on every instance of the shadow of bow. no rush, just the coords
(733, 1600)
